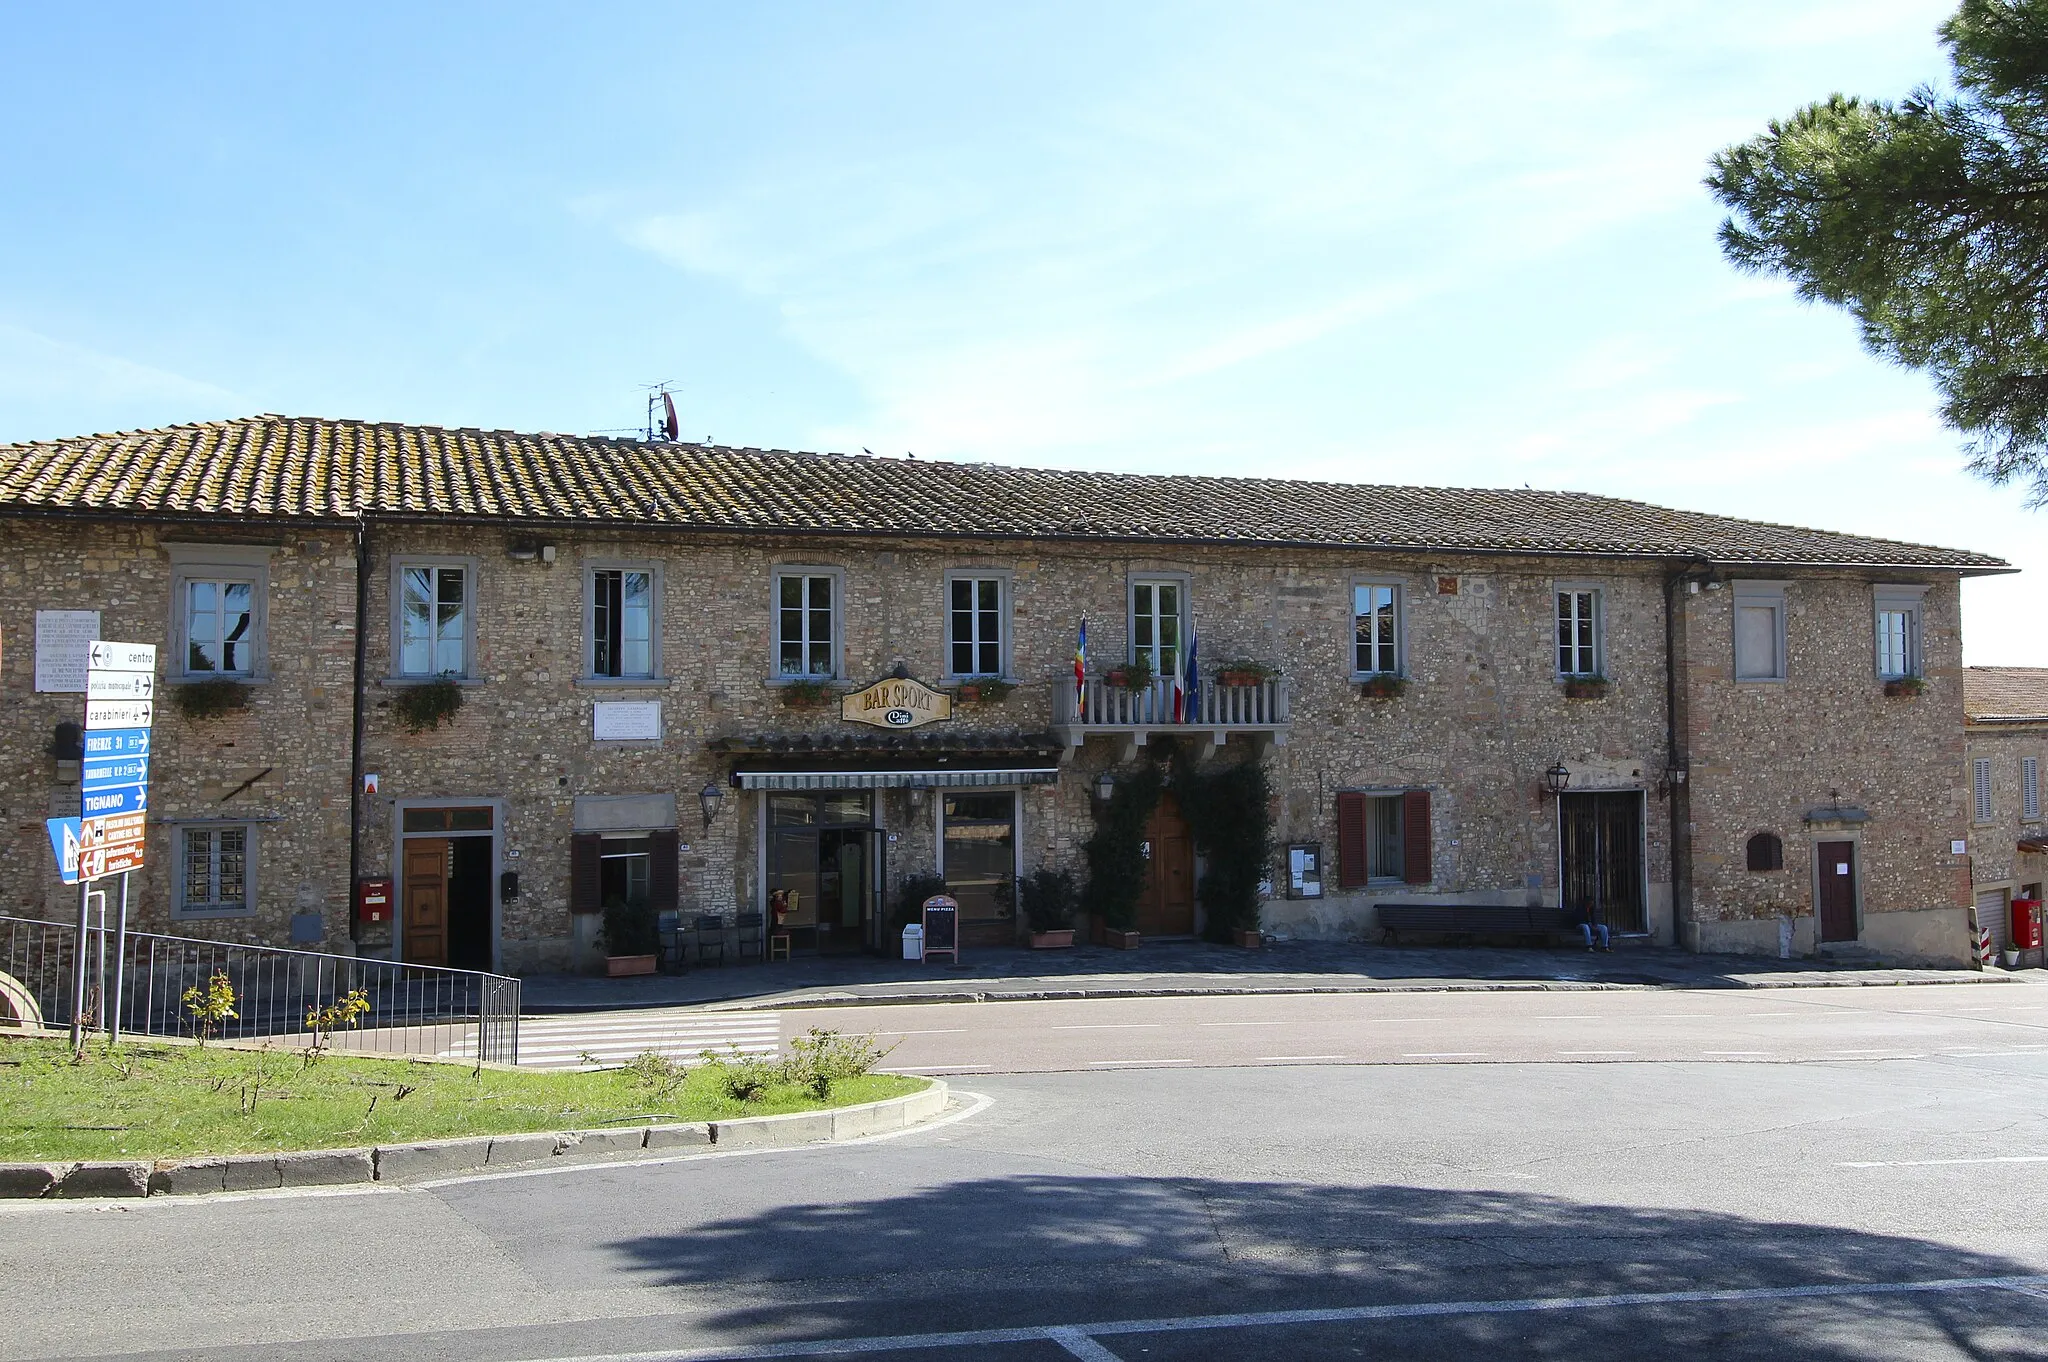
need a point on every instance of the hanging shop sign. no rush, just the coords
(896, 702)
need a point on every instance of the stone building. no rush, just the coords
(2005, 715)
(1677, 722)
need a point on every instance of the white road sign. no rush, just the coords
(119, 685)
(119, 713)
(107, 656)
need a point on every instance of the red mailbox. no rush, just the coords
(2026, 925)
(373, 900)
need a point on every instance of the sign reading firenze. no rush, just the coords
(896, 702)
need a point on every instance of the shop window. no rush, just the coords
(979, 855)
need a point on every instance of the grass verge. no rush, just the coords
(144, 1100)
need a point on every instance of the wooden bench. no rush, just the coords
(1475, 919)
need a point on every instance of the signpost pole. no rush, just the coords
(78, 967)
(120, 968)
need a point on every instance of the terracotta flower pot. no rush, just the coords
(969, 694)
(618, 966)
(1053, 940)
(1238, 679)
(1118, 939)
(1251, 938)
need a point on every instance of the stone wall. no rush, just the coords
(1997, 865)
(1482, 719)
(1765, 755)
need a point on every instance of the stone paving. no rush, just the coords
(1180, 967)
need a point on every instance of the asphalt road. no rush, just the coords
(1690, 1198)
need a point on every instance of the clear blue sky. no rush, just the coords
(1457, 243)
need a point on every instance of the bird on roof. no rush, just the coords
(869, 452)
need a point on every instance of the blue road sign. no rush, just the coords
(64, 838)
(116, 742)
(118, 799)
(104, 773)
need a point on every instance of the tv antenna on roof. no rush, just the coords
(661, 414)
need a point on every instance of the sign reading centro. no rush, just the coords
(896, 703)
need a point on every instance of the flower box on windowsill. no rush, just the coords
(1243, 672)
(1585, 688)
(982, 692)
(1383, 687)
(806, 695)
(1904, 687)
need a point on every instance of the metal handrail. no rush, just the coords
(413, 1009)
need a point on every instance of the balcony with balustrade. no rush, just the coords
(1135, 717)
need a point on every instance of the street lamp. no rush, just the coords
(1557, 778)
(1105, 788)
(708, 799)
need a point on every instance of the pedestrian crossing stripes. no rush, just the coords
(613, 1038)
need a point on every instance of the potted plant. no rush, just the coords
(2012, 957)
(806, 694)
(1585, 687)
(1383, 686)
(1050, 898)
(1249, 938)
(632, 938)
(1243, 671)
(1132, 676)
(1905, 687)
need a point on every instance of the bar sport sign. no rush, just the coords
(896, 702)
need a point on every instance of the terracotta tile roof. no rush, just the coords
(2005, 695)
(311, 468)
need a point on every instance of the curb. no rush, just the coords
(399, 1164)
(1039, 995)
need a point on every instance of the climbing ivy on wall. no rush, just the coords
(1229, 808)
(1116, 860)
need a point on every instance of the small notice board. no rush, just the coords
(941, 927)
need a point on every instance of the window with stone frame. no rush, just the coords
(433, 628)
(215, 869)
(1375, 629)
(1759, 629)
(807, 624)
(1980, 789)
(977, 624)
(219, 611)
(1578, 631)
(624, 623)
(1898, 623)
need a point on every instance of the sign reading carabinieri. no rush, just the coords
(896, 702)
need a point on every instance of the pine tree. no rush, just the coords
(1928, 220)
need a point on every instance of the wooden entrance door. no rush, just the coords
(1837, 892)
(426, 900)
(1166, 907)
(1600, 844)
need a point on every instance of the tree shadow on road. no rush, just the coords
(1024, 1250)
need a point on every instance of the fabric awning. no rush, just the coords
(893, 780)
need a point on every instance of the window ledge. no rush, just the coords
(403, 681)
(977, 679)
(613, 744)
(1376, 676)
(623, 682)
(206, 914)
(1759, 680)
(196, 678)
(834, 682)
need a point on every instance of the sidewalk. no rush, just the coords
(1192, 967)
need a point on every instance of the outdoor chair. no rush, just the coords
(674, 950)
(747, 927)
(710, 937)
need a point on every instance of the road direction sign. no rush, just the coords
(119, 685)
(119, 799)
(95, 862)
(116, 742)
(119, 827)
(104, 773)
(106, 656)
(64, 843)
(119, 713)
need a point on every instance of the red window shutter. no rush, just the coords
(662, 870)
(1352, 871)
(586, 878)
(1415, 843)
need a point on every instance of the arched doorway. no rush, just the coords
(1166, 906)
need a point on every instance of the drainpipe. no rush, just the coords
(355, 751)
(1677, 755)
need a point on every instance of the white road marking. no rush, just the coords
(1293, 1059)
(1082, 1346)
(1943, 1163)
(1109, 1026)
(1062, 1333)
(943, 1031)
(612, 1038)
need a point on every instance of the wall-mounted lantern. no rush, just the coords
(1557, 778)
(709, 799)
(1105, 789)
